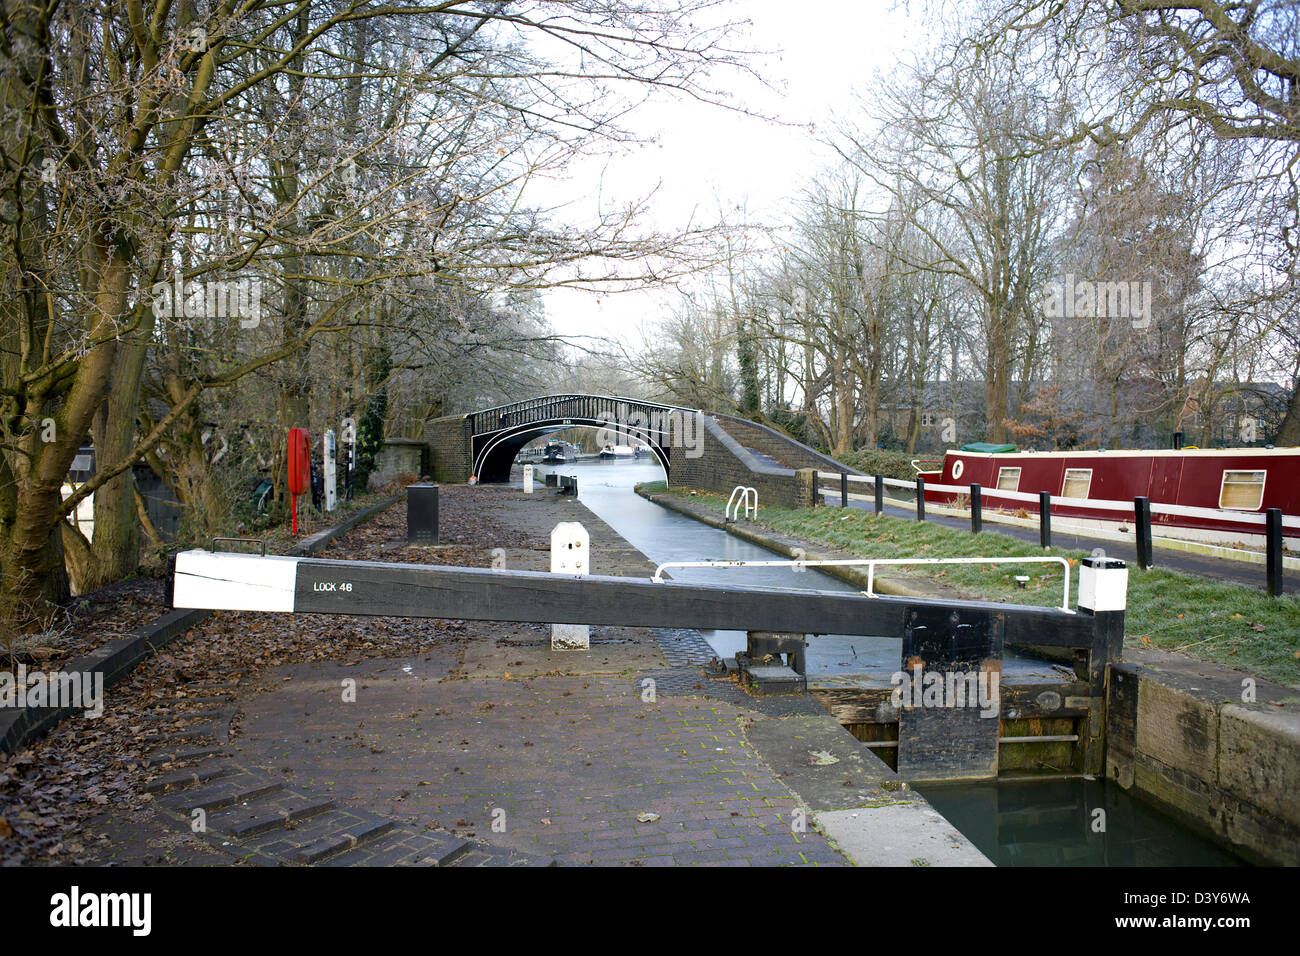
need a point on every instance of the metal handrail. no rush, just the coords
(744, 492)
(871, 567)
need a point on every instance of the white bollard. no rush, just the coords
(331, 455)
(528, 479)
(570, 554)
(1103, 585)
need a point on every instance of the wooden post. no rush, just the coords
(1142, 526)
(920, 498)
(1045, 519)
(1273, 550)
(880, 493)
(1103, 596)
(816, 488)
(976, 509)
(844, 489)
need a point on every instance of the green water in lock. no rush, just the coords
(1057, 823)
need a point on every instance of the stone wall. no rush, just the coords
(399, 456)
(1230, 769)
(450, 456)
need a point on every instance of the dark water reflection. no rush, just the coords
(1056, 823)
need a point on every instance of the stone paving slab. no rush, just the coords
(823, 763)
(899, 834)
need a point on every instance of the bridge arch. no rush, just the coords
(496, 435)
(493, 461)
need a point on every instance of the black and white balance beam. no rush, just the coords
(248, 582)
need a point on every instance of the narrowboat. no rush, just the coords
(618, 451)
(1231, 481)
(559, 453)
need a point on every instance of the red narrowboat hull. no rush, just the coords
(1227, 481)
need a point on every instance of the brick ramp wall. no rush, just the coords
(726, 463)
(781, 447)
(450, 457)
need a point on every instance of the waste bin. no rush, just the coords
(422, 514)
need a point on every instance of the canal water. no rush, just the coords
(606, 487)
(1060, 822)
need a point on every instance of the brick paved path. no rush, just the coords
(563, 765)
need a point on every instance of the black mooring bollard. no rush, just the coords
(880, 493)
(844, 489)
(1273, 549)
(920, 499)
(1142, 527)
(1045, 519)
(976, 509)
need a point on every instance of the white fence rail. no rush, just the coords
(871, 564)
(1124, 508)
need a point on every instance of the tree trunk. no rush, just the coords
(995, 383)
(115, 547)
(31, 565)
(1288, 435)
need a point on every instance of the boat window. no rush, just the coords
(1008, 479)
(1242, 490)
(1077, 482)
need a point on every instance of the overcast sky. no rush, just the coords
(704, 158)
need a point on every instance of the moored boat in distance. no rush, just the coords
(619, 451)
(559, 452)
(1213, 495)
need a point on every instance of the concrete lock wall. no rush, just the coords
(725, 463)
(450, 454)
(1232, 770)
